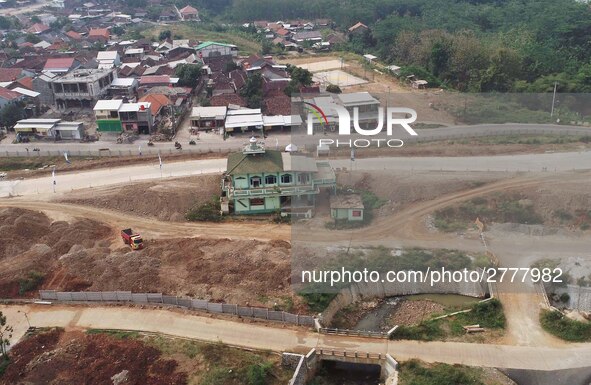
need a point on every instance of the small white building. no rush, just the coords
(206, 118)
(50, 128)
(108, 59)
(243, 120)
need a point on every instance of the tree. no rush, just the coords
(11, 114)
(35, 19)
(266, 47)
(188, 74)
(166, 34)
(5, 335)
(253, 90)
(118, 30)
(30, 38)
(299, 77)
(333, 89)
(230, 66)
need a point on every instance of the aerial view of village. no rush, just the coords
(323, 192)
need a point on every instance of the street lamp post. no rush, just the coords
(553, 99)
(26, 317)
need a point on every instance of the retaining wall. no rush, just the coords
(190, 303)
(358, 291)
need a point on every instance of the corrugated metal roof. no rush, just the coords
(218, 113)
(298, 163)
(108, 105)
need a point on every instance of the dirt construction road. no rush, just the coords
(402, 228)
(263, 338)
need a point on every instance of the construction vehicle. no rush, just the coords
(134, 240)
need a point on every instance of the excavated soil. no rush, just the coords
(31, 242)
(413, 312)
(88, 255)
(233, 271)
(166, 200)
(56, 358)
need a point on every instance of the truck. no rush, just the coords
(134, 240)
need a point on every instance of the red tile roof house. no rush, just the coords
(99, 34)
(226, 100)
(359, 27)
(61, 65)
(10, 74)
(74, 35)
(189, 13)
(9, 97)
(283, 32)
(38, 28)
(159, 102)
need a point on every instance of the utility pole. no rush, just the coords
(553, 99)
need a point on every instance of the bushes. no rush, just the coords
(256, 374)
(425, 331)
(562, 327)
(413, 372)
(31, 282)
(500, 209)
(487, 314)
(317, 302)
(207, 212)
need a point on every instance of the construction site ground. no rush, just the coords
(58, 356)
(73, 238)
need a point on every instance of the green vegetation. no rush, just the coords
(300, 77)
(118, 334)
(188, 74)
(224, 365)
(233, 366)
(252, 91)
(488, 314)
(10, 114)
(21, 163)
(209, 211)
(31, 282)
(317, 302)
(469, 45)
(559, 325)
(500, 208)
(414, 372)
(333, 89)
(205, 31)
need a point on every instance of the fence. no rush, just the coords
(107, 152)
(354, 333)
(189, 303)
(424, 136)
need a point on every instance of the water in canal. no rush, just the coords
(376, 319)
(343, 373)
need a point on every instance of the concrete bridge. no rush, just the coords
(306, 366)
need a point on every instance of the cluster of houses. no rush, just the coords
(297, 34)
(70, 58)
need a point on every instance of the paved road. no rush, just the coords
(552, 162)
(214, 142)
(256, 336)
(108, 176)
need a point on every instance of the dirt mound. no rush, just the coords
(79, 256)
(413, 312)
(30, 242)
(222, 270)
(56, 357)
(167, 200)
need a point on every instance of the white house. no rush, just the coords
(108, 59)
